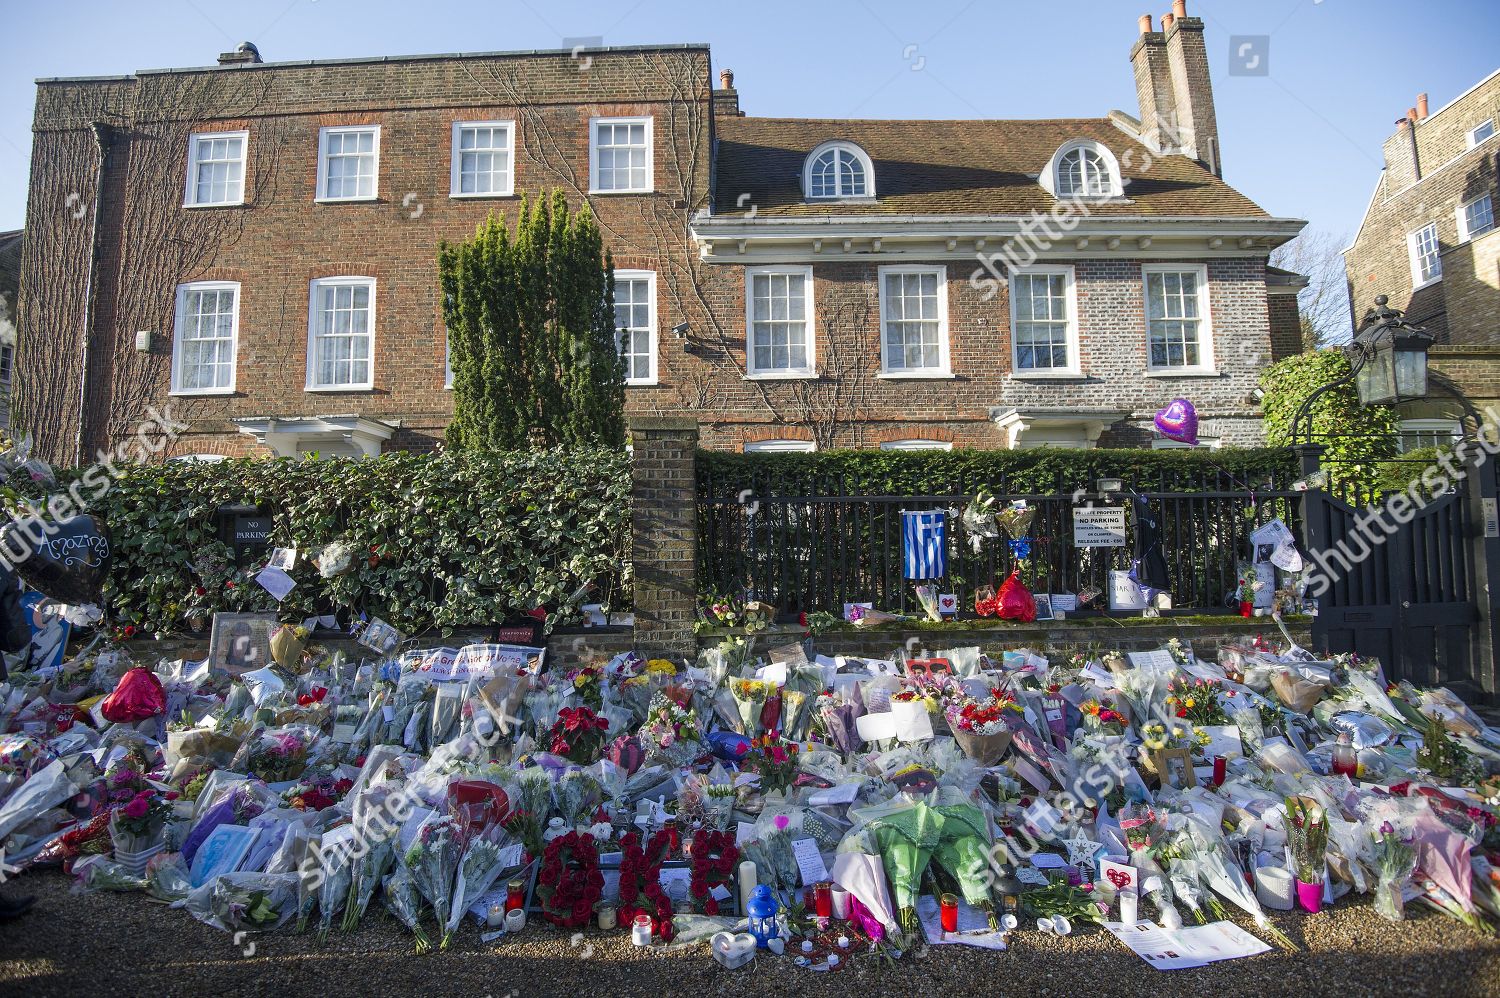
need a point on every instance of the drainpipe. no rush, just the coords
(101, 141)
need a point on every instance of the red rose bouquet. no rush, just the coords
(715, 858)
(569, 883)
(578, 735)
(640, 881)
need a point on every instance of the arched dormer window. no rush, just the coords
(1083, 169)
(838, 170)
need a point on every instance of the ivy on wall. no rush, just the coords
(438, 541)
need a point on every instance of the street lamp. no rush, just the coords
(1390, 357)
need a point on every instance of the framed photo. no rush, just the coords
(240, 642)
(1175, 767)
(1043, 606)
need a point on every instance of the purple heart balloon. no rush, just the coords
(1179, 421)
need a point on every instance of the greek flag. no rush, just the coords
(925, 536)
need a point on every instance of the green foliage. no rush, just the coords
(1356, 437)
(1005, 472)
(439, 540)
(532, 336)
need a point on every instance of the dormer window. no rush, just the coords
(839, 170)
(1082, 169)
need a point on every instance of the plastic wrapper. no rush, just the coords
(479, 868)
(45, 789)
(256, 902)
(1016, 601)
(1366, 731)
(337, 865)
(99, 873)
(402, 899)
(138, 696)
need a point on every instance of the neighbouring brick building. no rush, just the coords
(1429, 242)
(256, 242)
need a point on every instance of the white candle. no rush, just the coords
(747, 884)
(1128, 906)
(840, 903)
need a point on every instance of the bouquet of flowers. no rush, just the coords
(640, 880)
(275, 756)
(1395, 859)
(1098, 717)
(927, 596)
(137, 825)
(480, 867)
(433, 860)
(670, 733)
(333, 893)
(1156, 736)
(749, 697)
(314, 794)
(578, 735)
(839, 715)
(907, 839)
(1307, 838)
(794, 712)
(714, 860)
(588, 686)
(982, 727)
(963, 850)
(569, 883)
(578, 797)
(402, 900)
(773, 759)
(1197, 700)
(771, 852)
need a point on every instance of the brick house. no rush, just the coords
(1428, 241)
(255, 243)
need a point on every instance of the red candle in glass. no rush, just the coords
(948, 910)
(823, 899)
(515, 895)
(1221, 769)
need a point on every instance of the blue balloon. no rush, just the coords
(1021, 547)
(728, 745)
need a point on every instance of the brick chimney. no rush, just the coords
(1153, 85)
(1403, 166)
(244, 54)
(1421, 107)
(726, 99)
(1187, 57)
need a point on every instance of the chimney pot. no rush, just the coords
(1166, 21)
(1145, 24)
(1411, 114)
(726, 79)
(1421, 107)
(1179, 8)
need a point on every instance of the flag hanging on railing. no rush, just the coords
(925, 536)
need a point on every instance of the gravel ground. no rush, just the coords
(104, 944)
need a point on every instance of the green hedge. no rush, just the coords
(1014, 472)
(441, 540)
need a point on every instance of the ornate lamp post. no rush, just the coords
(1387, 363)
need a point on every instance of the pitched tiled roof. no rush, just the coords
(955, 167)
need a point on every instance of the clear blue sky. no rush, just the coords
(1303, 141)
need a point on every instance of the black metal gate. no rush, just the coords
(1406, 592)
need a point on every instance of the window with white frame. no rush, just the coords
(1178, 337)
(349, 163)
(216, 168)
(1426, 264)
(635, 318)
(778, 317)
(838, 170)
(1044, 321)
(341, 334)
(482, 159)
(916, 444)
(1159, 442)
(780, 447)
(914, 320)
(620, 155)
(203, 342)
(1476, 218)
(1482, 131)
(1414, 434)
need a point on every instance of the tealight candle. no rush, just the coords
(607, 917)
(843, 942)
(807, 946)
(833, 959)
(495, 917)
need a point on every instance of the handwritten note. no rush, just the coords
(809, 861)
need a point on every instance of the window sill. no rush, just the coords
(337, 389)
(214, 204)
(780, 376)
(200, 392)
(915, 375)
(1183, 372)
(486, 196)
(642, 383)
(855, 199)
(368, 200)
(1059, 374)
(644, 190)
(1427, 283)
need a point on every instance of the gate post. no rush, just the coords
(1485, 557)
(664, 532)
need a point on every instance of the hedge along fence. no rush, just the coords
(1038, 471)
(439, 541)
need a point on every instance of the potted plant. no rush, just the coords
(136, 828)
(1247, 591)
(1307, 836)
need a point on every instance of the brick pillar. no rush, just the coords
(664, 532)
